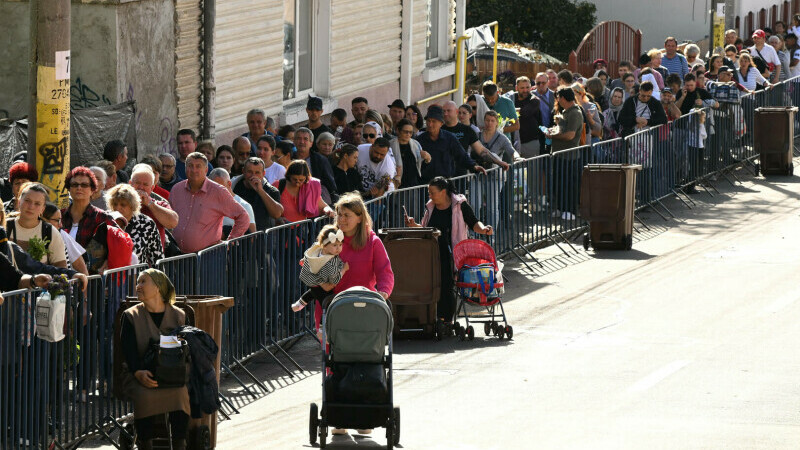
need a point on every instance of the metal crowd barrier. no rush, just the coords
(55, 394)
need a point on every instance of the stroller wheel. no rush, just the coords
(509, 331)
(487, 328)
(500, 332)
(313, 424)
(461, 334)
(470, 333)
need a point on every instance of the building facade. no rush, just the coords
(268, 54)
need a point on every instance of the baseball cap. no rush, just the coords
(760, 34)
(314, 103)
(724, 69)
(666, 89)
(397, 104)
(599, 61)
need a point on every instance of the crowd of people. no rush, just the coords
(168, 204)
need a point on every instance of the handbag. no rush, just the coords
(50, 314)
(169, 365)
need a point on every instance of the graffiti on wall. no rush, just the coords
(83, 96)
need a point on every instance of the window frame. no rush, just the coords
(299, 94)
(440, 30)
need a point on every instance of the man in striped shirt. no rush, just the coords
(674, 61)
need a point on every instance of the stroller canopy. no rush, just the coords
(358, 325)
(473, 252)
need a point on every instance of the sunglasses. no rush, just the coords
(80, 185)
(539, 83)
(369, 135)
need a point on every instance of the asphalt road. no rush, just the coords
(687, 342)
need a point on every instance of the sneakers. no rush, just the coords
(556, 214)
(338, 431)
(568, 215)
(365, 431)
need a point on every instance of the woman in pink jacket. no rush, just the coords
(362, 250)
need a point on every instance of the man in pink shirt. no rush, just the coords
(201, 205)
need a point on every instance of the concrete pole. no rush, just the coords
(209, 80)
(48, 119)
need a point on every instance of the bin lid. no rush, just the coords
(614, 166)
(776, 109)
(206, 300)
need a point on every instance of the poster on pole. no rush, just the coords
(52, 133)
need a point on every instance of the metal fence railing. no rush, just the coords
(54, 394)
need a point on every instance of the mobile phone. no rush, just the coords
(543, 129)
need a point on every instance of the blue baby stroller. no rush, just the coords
(357, 368)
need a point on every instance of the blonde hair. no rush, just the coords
(125, 193)
(322, 237)
(353, 202)
(654, 53)
(746, 55)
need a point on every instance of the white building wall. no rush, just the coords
(683, 19)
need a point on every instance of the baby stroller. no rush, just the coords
(480, 283)
(357, 370)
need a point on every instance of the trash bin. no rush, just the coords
(607, 203)
(773, 139)
(208, 310)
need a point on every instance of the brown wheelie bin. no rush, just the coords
(414, 254)
(607, 203)
(773, 139)
(204, 312)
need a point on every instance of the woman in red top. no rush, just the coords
(301, 194)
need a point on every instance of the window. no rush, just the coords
(298, 69)
(432, 41)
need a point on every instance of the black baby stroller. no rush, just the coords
(357, 369)
(480, 283)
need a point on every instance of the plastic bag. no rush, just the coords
(50, 314)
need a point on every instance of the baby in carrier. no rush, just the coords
(321, 265)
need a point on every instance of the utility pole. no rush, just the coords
(48, 118)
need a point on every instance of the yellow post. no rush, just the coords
(460, 72)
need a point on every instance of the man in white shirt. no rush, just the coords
(377, 171)
(222, 178)
(767, 53)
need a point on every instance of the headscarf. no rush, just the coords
(375, 126)
(163, 283)
(616, 109)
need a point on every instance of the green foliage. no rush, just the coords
(37, 248)
(555, 27)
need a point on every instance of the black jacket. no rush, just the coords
(203, 388)
(627, 117)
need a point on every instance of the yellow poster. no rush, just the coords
(52, 133)
(719, 31)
